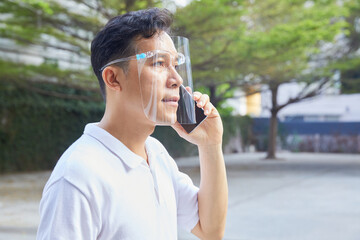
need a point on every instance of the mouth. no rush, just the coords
(172, 101)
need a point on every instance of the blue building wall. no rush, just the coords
(261, 126)
(310, 136)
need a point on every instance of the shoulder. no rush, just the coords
(163, 158)
(156, 148)
(85, 164)
(155, 145)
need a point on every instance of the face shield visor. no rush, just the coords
(164, 70)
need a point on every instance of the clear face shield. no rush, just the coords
(164, 70)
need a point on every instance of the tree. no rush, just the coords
(349, 64)
(215, 30)
(270, 43)
(233, 44)
(350, 74)
(286, 37)
(47, 88)
(58, 35)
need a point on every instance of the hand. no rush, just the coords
(210, 131)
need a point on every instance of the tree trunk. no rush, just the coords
(213, 99)
(271, 151)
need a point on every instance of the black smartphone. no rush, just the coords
(185, 96)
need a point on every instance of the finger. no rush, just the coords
(196, 96)
(203, 100)
(211, 110)
(208, 108)
(188, 89)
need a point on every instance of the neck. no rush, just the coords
(131, 131)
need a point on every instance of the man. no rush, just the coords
(117, 182)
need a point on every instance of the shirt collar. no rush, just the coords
(114, 145)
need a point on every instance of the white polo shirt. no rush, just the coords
(99, 189)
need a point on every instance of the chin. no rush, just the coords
(167, 119)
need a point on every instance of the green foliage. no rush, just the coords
(272, 40)
(214, 31)
(214, 28)
(45, 107)
(36, 129)
(178, 147)
(287, 34)
(350, 74)
(27, 74)
(259, 43)
(246, 126)
(62, 30)
(175, 145)
(235, 124)
(349, 64)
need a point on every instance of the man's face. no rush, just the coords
(152, 83)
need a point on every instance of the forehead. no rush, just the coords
(160, 41)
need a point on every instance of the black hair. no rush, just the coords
(116, 39)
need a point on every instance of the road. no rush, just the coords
(299, 197)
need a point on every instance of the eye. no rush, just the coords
(176, 67)
(159, 64)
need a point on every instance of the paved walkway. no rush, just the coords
(301, 197)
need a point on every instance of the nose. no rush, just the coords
(174, 80)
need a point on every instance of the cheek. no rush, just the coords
(153, 83)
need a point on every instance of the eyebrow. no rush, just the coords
(161, 55)
(172, 53)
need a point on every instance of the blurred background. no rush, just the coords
(285, 76)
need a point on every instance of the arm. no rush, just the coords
(213, 192)
(65, 213)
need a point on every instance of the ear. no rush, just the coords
(112, 76)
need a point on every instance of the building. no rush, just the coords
(325, 108)
(325, 123)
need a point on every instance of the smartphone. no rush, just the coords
(185, 96)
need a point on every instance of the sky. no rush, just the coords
(171, 4)
(182, 2)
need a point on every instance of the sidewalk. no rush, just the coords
(302, 197)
